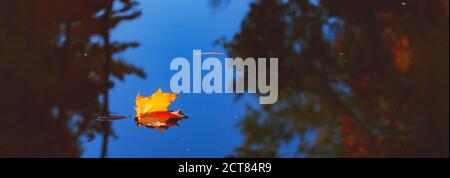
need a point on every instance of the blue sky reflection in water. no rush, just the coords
(166, 30)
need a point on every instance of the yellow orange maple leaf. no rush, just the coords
(159, 101)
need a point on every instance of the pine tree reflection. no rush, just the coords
(52, 73)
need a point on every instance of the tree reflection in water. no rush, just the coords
(357, 78)
(55, 63)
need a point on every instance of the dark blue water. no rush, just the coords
(166, 30)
